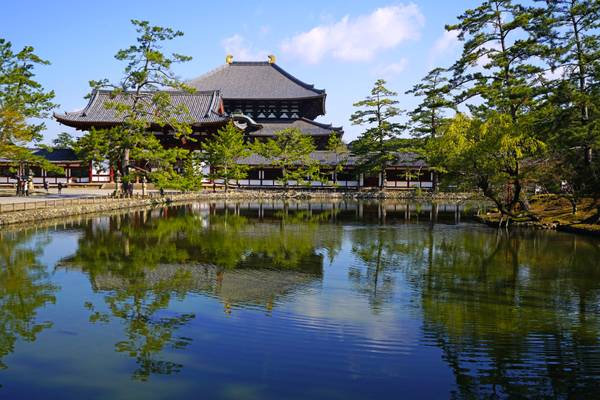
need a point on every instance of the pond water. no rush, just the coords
(305, 300)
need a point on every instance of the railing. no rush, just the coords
(78, 201)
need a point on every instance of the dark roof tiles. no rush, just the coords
(307, 127)
(331, 158)
(203, 108)
(255, 80)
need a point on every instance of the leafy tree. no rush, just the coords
(484, 153)
(374, 148)
(497, 70)
(341, 152)
(141, 100)
(223, 150)
(22, 100)
(290, 150)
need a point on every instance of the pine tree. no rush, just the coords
(22, 101)
(291, 150)
(428, 117)
(498, 71)
(375, 148)
(223, 150)
(141, 99)
(572, 120)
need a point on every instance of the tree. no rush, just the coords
(484, 153)
(571, 121)
(64, 140)
(22, 99)
(496, 69)
(429, 116)
(290, 150)
(223, 150)
(141, 100)
(375, 148)
(574, 52)
(341, 152)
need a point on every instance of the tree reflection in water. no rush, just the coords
(516, 316)
(143, 260)
(25, 288)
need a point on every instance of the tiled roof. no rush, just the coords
(255, 80)
(203, 108)
(305, 125)
(57, 154)
(330, 158)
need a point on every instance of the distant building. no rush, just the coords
(261, 98)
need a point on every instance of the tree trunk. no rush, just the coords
(125, 170)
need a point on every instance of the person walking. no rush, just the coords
(60, 185)
(46, 186)
(31, 186)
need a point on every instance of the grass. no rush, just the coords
(554, 211)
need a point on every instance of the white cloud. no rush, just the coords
(360, 38)
(241, 49)
(445, 45)
(391, 70)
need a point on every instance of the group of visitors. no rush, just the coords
(25, 186)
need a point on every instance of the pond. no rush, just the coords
(294, 301)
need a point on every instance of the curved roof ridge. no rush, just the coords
(321, 124)
(296, 80)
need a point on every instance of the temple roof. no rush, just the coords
(57, 155)
(402, 159)
(305, 125)
(204, 107)
(255, 80)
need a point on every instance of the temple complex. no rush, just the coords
(262, 99)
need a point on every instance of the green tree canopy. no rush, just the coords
(223, 150)
(23, 103)
(290, 150)
(377, 112)
(141, 100)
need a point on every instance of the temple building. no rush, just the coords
(262, 99)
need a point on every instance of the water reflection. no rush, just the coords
(389, 294)
(25, 287)
(515, 315)
(141, 260)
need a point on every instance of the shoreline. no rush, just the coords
(50, 213)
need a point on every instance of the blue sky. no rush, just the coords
(341, 46)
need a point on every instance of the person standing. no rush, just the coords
(60, 185)
(46, 186)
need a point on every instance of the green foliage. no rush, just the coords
(571, 113)
(290, 150)
(64, 140)
(142, 102)
(486, 154)
(429, 116)
(375, 146)
(223, 150)
(341, 152)
(22, 99)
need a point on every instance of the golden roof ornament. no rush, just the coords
(229, 59)
(271, 59)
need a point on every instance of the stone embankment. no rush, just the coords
(63, 211)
